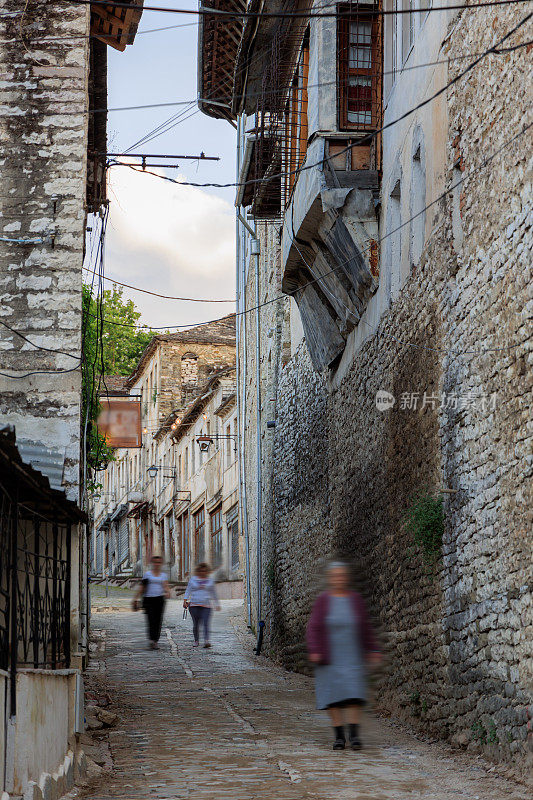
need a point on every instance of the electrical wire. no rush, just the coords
(216, 13)
(163, 296)
(21, 36)
(320, 85)
(463, 179)
(46, 39)
(161, 129)
(42, 372)
(35, 240)
(176, 120)
(363, 140)
(37, 346)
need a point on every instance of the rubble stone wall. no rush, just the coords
(455, 633)
(182, 378)
(43, 143)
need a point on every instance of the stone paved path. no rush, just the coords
(220, 723)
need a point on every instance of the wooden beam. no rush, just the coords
(324, 340)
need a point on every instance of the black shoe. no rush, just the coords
(339, 744)
(355, 743)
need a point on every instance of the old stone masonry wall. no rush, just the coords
(43, 142)
(457, 635)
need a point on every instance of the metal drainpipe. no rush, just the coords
(241, 389)
(255, 251)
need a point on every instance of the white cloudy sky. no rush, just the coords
(176, 240)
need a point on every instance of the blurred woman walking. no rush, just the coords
(154, 590)
(200, 598)
(339, 639)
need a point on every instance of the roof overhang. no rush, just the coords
(120, 511)
(31, 487)
(265, 39)
(140, 510)
(219, 40)
(115, 25)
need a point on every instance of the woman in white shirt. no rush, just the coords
(200, 597)
(154, 590)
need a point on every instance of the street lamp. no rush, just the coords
(204, 442)
(153, 470)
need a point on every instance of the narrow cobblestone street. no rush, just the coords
(222, 723)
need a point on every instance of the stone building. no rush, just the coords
(167, 495)
(206, 502)
(394, 215)
(52, 176)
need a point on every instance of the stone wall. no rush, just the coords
(273, 356)
(183, 377)
(43, 142)
(455, 634)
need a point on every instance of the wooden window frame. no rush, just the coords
(359, 13)
(185, 528)
(216, 532)
(199, 527)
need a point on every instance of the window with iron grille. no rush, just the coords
(216, 536)
(359, 66)
(199, 538)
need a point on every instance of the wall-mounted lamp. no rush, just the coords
(204, 442)
(153, 470)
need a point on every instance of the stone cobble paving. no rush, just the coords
(222, 723)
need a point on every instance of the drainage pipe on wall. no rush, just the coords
(241, 385)
(255, 250)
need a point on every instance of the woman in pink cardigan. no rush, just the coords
(340, 639)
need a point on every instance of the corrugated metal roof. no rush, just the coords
(44, 459)
(32, 486)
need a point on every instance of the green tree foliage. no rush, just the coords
(121, 346)
(107, 350)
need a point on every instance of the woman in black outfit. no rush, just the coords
(154, 590)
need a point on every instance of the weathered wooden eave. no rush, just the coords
(219, 39)
(114, 25)
(255, 54)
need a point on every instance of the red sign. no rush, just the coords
(120, 422)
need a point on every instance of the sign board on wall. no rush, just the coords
(120, 421)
